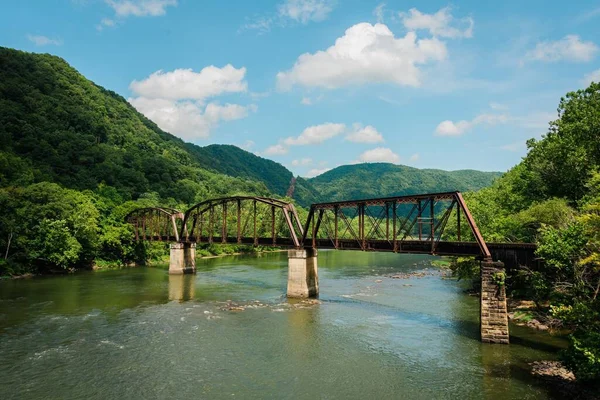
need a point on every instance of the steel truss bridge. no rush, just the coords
(435, 223)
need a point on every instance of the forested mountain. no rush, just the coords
(361, 181)
(233, 161)
(57, 126)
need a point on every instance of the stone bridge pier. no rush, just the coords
(494, 315)
(182, 258)
(303, 277)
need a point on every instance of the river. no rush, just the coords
(229, 332)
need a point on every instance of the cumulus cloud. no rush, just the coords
(570, 48)
(367, 134)
(379, 154)
(450, 128)
(187, 119)
(276, 150)
(175, 100)
(441, 24)
(140, 8)
(40, 40)
(315, 134)
(415, 157)
(306, 101)
(592, 77)
(365, 54)
(316, 171)
(187, 84)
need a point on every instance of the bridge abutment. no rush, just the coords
(182, 258)
(303, 277)
(494, 314)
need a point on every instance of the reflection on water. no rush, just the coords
(140, 333)
(182, 287)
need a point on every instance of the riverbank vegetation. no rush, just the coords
(553, 198)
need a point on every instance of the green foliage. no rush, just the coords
(465, 268)
(499, 278)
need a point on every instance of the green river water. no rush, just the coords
(142, 334)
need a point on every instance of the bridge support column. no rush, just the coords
(494, 315)
(303, 278)
(182, 258)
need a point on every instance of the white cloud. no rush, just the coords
(569, 48)
(415, 157)
(379, 12)
(365, 54)
(450, 128)
(316, 171)
(305, 11)
(302, 162)
(40, 40)
(275, 150)
(498, 106)
(187, 119)
(592, 77)
(175, 100)
(367, 134)
(379, 154)
(299, 11)
(315, 134)
(187, 84)
(306, 101)
(106, 22)
(140, 8)
(438, 24)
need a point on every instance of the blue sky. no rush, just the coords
(314, 84)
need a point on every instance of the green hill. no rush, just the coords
(360, 181)
(233, 161)
(57, 126)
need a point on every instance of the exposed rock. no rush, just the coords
(551, 369)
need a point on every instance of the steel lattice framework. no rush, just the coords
(157, 224)
(407, 224)
(402, 224)
(243, 219)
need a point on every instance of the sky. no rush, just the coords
(314, 84)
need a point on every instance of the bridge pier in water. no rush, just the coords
(182, 258)
(303, 277)
(494, 314)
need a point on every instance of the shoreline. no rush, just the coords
(96, 268)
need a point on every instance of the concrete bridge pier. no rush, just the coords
(182, 258)
(303, 277)
(494, 314)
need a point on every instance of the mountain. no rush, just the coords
(57, 126)
(369, 180)
(233, 161)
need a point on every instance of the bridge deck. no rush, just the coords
(512, 254)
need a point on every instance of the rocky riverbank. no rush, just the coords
(561, 380)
